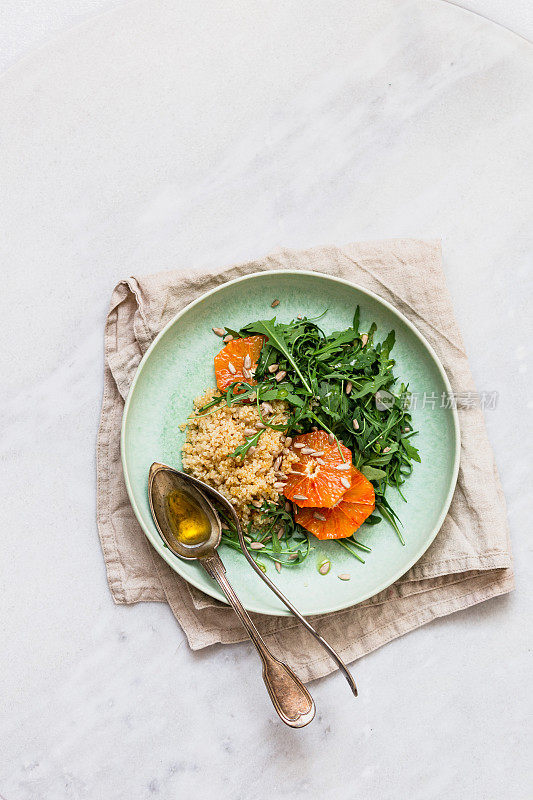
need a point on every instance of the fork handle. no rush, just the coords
(291, 699)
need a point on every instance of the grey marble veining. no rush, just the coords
(166, 135)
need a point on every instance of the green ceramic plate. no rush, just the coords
(179, 366)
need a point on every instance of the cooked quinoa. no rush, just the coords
(218, 432)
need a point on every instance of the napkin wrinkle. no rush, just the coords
(470, 559)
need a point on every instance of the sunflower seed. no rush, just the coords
(288, 508)
(288, 441)
(364, 338)
(246, 373)
(300, 497)
(406, 429)
(274, 303)
(278, 566)
(266, 408)
(314, 428)
(251, 450)
(346, 483)
(286, 451)
(344, 576)
(277, 463)
(386, 449)
(280, 485)
(320, 461)
(348, 387)
(321, 517)
(228, 338)
(248, 538)
(257, 503)
(253, 397)
(317, 453)
(306, 451)
(324, 567)
(280, 475)
(247, 361)
(219, 331)
(299, 445)
(346, 465)
(355, 425)
(260, 426)
(295, 472)
(280, 375)
(293, 557)
(273, 368)
(250, 431)
(231, 368)
(331, 439)
(281, 531)
(300, 316)
(257, 546)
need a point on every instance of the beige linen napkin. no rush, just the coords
(469, 561)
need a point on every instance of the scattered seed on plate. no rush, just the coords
(219, 331)
(324, 567)
(274, 303)
(344, 576)
(273, 368)
(300, 316)
(280, 375)
(256, 546)
(348, 387)
(278, 566)
(231, 368)
(346, 483)
(228, 338)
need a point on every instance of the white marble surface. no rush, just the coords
(178, 134)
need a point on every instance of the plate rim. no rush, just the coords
(213, 591)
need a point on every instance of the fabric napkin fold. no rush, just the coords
(469, 561)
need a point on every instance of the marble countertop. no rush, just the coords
(177, 135)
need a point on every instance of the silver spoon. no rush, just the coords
(212, 493)
(291, 699)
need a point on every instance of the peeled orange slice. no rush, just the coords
(320, 477)
(230, 363)
(346, 516)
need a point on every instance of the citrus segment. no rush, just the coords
(230, 362)
(315, 479)
(346, 516)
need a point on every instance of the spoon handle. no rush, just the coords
(291, 699)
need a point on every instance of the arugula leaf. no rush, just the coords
(276, 339)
